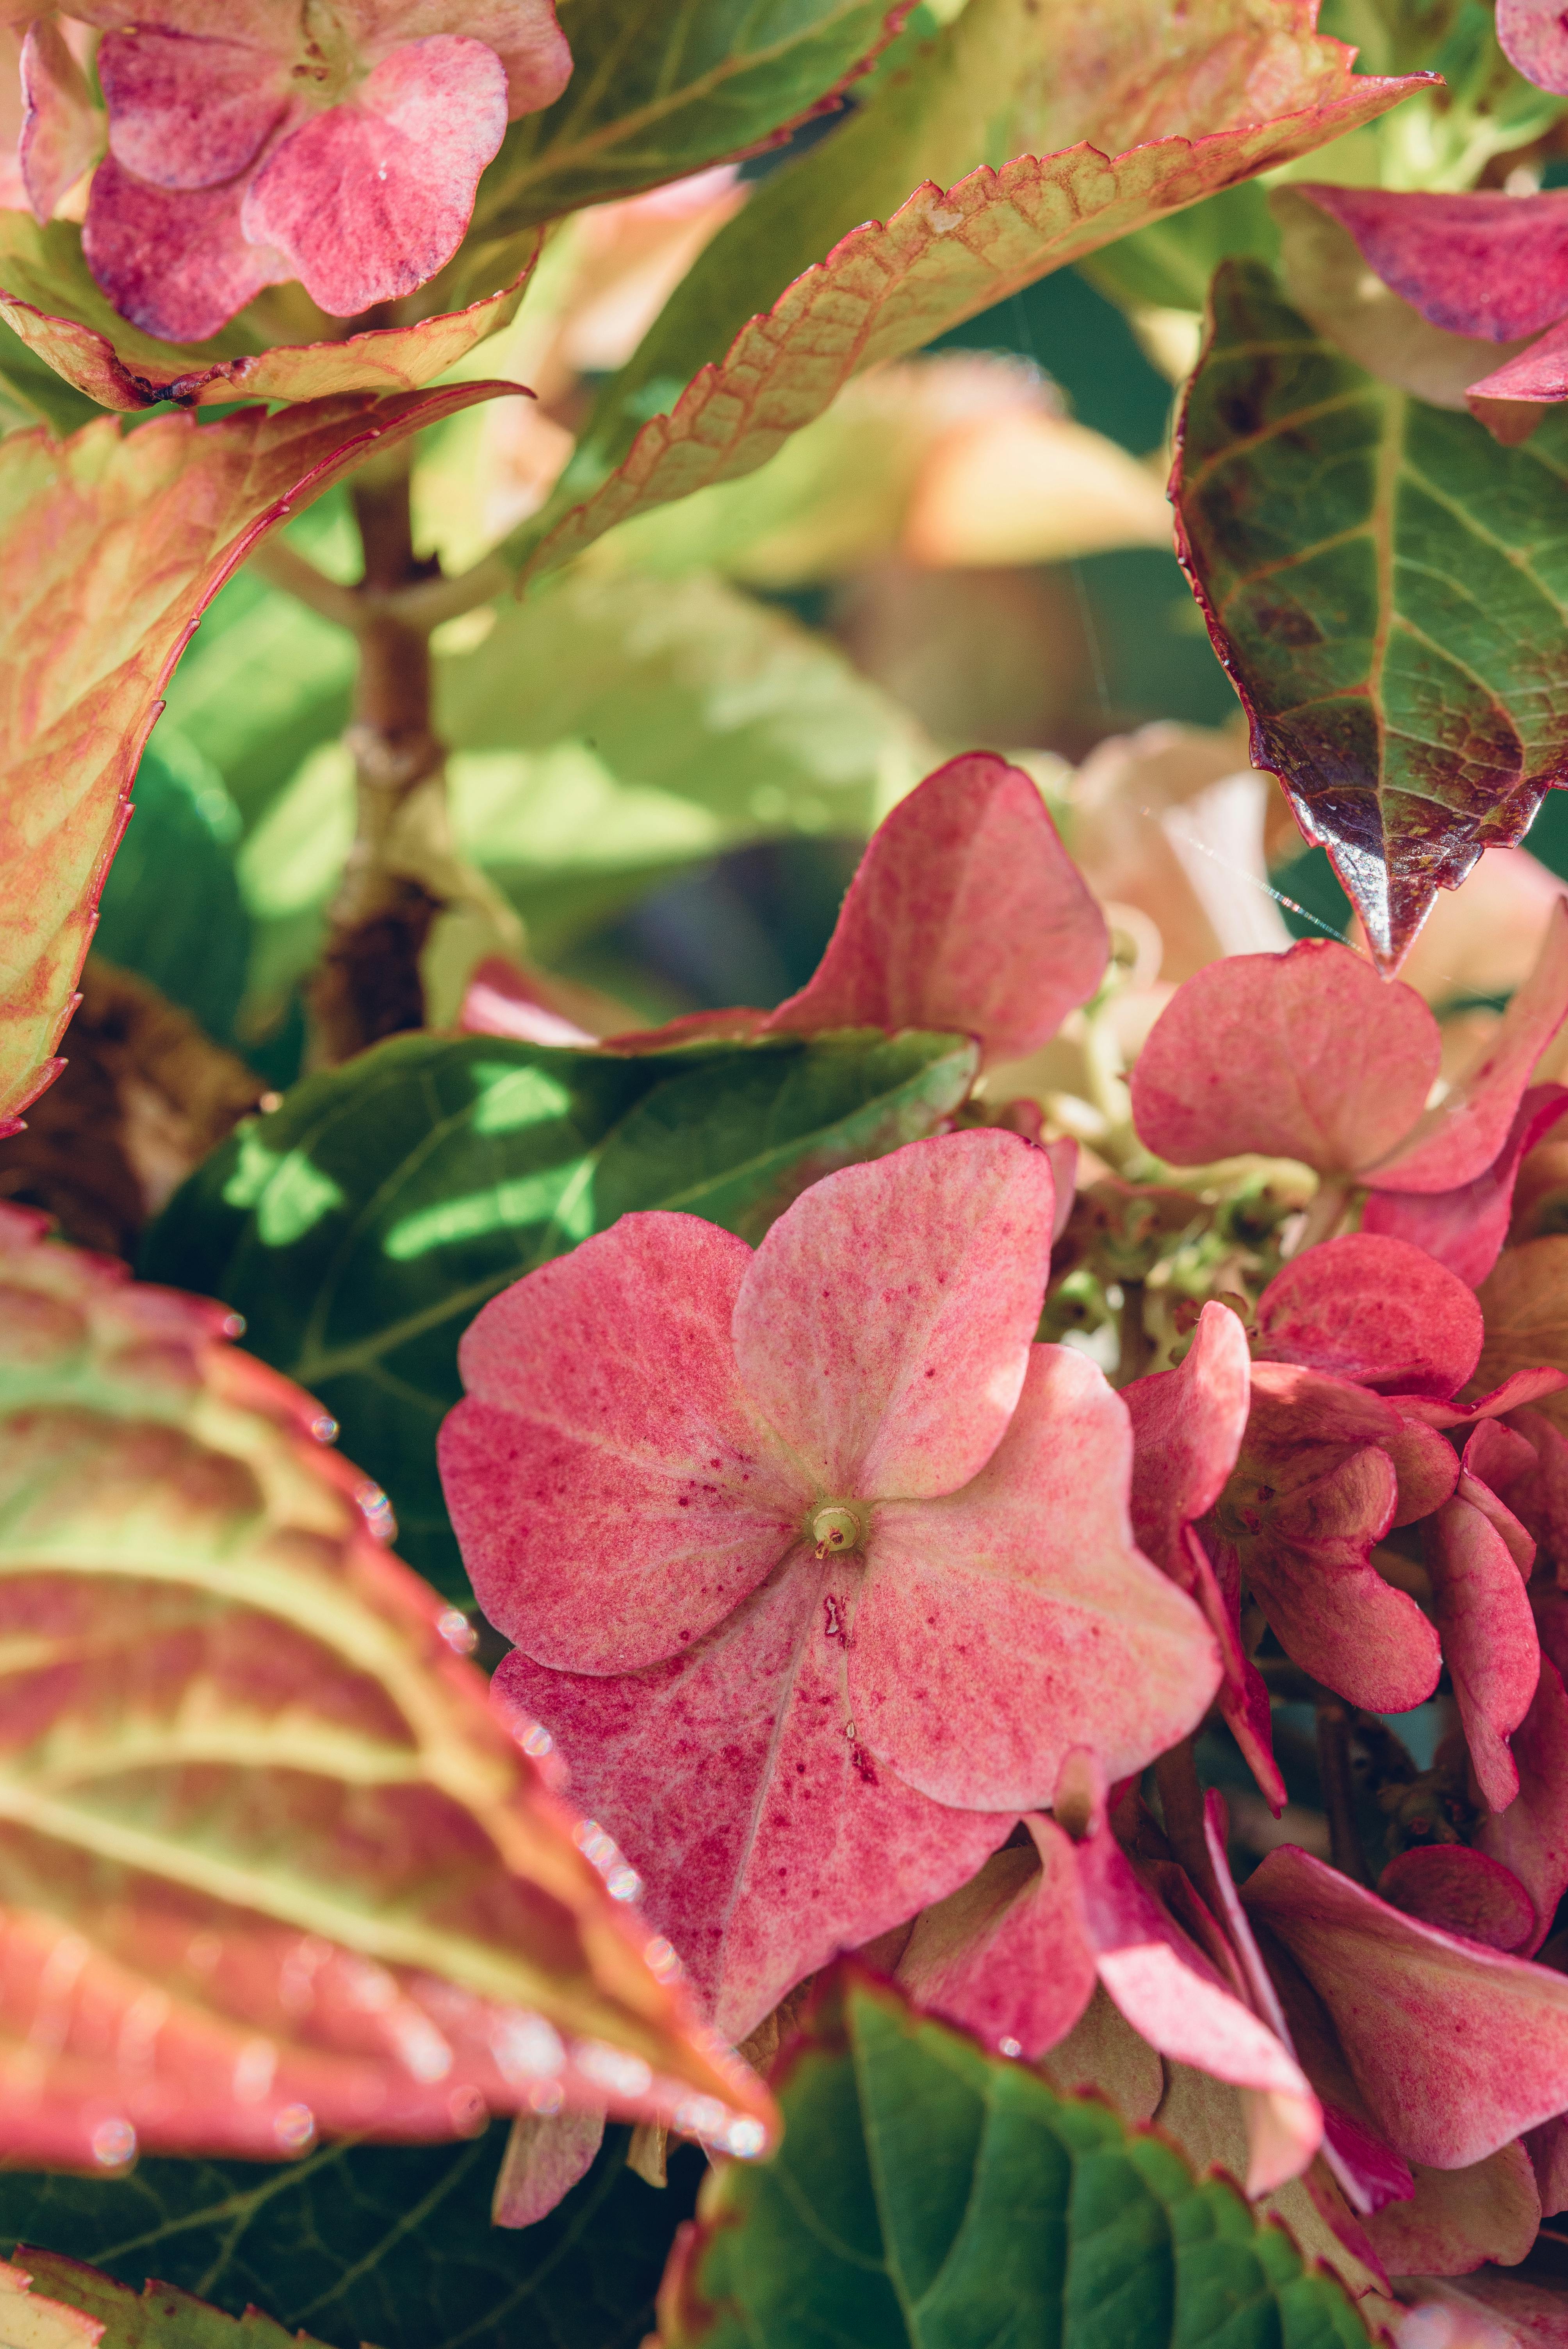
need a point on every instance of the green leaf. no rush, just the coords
(361, 1226)
(1167, 265)
(928, 2196)
(1014, 79)
(661, 87)
(1389, 590)
(372, 2243)
(42, 2305)
(170, 909)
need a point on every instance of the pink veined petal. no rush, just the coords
(1463, 1891)
(766, 1838)
(523, 34)
(1534, 1484)
(178, 266)
(1531, 1838)
(62, 129)
(1485, 1622)
(371, 198)
(1374, 1311)
(502, 1001)
(1520, 1388)
(884, 1326)
(1540, 373)
(966, 915)
(1305, 1055)
(1456, 2048)
(612, 1495)
(1243, 1699)
(1456, 2218)
(1465, 1228)
(1533, 39)
(192, 110)
(1370, 2176)
(1014, 1620)
(1187, 1429)
(1485, 264)
(1007, 1956)
(1172, 1996)
(545, 2156)
(1425, 1469)
(1459, 1139)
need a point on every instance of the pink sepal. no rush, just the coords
(1478, 1554)
(1374, 1311)
(1464, 1229)
(545, 2157)
(1464, 1891)
(62, 129)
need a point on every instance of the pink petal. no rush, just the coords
(545, 2156)
(1521, 1387)
(523, 34)
(1485, 264)
(1465, 1228)
(1062, 1154)
(1539, 374)
(1487, 1629)
(966, 916)
(1458, 2218)
(766, 1837)
(1425, 1469)
(62, 129)
(1305, 1055)
(371, 198)
(178, 266)
(1532, 37)
(1373, 1309)
(1005, 1625)
(1531, 1838)
(1548, 2150)
(1464, 1891)
(502, 1001)
(1007, 1956)
(883, 1326)
(1370, 2175)
(1456, 2048)
(611, 1494)
(192, 110)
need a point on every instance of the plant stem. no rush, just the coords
(1339, 1788)
(422, 603)
(369, 984)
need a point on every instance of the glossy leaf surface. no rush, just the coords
(387, 2243)
(1388, 588)
(112, 548)
(48, 297)
(1011, 79)
(361, 1227)
(294, 1877)
(928, 2194)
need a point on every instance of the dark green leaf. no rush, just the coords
(390, 2245)
(1389, 589)
(170, 909)
(661, 87)
(361, 1226)
(928, 2196)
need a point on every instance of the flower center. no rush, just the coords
(835, 1528)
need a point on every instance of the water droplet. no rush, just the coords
(623, 1882)
(546, 2097)
(469, 2111)
(525, 2047)
(660, 1959)
(1009, 2047)
(458, 1631)
(612, 2069)
(538, 1742)
(295, 2128)
(324, 1427)
(233, 1325)
(379, 1522)
(113, 2143)
(702, 2116)
(745, 2139)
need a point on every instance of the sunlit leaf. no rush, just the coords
(269, 1866)
(926, 2193)
(49, 299)
(112, 547)
(1388, 588)
(661, 87)
(1057, 90)
(57, 2304)
(360, 1227)
(391, 2244)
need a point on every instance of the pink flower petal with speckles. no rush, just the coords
(1533, 37)
(523, 34)
(1463, 1891)
(966, 916)
(1007, 1956)
(190, 110)
(1014, 1620)
(1479, 1555)
(613, 1496)
(766, 1838)
(1465, 1228)
(1305, 1055)
(545, 2156)
(1456, 2048)
(1531, 1838)
(371, 198)
(1483, 263)
(883, 1326)
(62, 129)
(1375, 1310)
(176, 266)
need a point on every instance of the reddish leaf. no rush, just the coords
(295, 1876)
(114, 547)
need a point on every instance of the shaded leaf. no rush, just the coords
(170, 909)
(295, 1876)
(1387, 587)
(113, 547)
(360, 1227)
(54, 2303)
(391, 2244)
(926, 2193)
(662, 88)
(1070, 87)
(49, 300)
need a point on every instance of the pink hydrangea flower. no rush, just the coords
(1310, 1055)
(816, 1565)
(340, 143)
